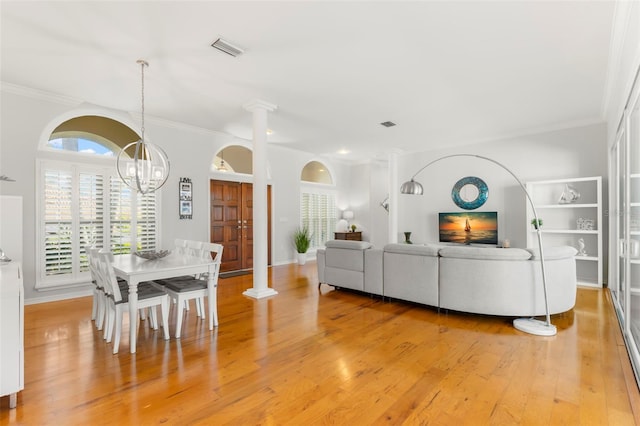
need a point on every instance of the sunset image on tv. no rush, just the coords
(469, 227)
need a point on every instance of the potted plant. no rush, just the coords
(536, 223)
(302, 241)
(353, 228)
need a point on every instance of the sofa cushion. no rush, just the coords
(418, 250)
(346, 255)
(553, 253)
(487, 253)
(348, 244)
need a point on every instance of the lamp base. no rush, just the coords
(534, 326)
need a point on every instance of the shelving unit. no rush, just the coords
(560, 222)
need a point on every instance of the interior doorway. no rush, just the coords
(232, 223)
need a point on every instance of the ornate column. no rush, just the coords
(260, 288)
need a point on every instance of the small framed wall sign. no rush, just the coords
(185, 195)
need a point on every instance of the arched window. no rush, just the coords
(85, 143)
(234, 159)
(315, 171)
(82, 200)
(91, 134)
(318, 211)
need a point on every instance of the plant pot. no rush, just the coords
(302, 258)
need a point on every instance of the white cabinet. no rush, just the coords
(575, 222)
(11, 331)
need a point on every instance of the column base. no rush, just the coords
(260, 294)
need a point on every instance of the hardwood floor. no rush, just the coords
(327, 357)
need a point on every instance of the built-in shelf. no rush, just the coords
(561, 221)
(566, 231)
(565, 206)
(588, 258)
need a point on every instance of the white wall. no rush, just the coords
(26, 114)
(368, 186)
(565, 153)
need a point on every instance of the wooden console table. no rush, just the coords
(353, 236)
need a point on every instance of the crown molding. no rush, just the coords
(38, 94)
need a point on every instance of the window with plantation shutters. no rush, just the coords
(318, 212)
(58, 222)
(82, 205)
(146, 222)
(120, 216)
(90, 214)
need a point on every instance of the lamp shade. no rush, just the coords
(412, 187)
(347, 214)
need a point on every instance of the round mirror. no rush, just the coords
(470, 193)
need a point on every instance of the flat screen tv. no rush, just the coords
(469, 227)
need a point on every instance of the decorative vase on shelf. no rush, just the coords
(569, 195)
(407, 238)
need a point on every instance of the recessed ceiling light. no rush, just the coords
(388, 124)
(228, 48)
(269, 131)
(344, 151)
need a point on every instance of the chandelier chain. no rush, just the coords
(142, 64)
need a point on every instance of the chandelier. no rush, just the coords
(141, 165)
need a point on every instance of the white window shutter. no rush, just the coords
(58, 222)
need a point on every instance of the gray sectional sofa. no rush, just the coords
(481, 280)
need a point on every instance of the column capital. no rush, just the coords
(254, 104)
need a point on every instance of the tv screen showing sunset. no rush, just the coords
(469, 227)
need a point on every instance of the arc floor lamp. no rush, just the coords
(528, 325)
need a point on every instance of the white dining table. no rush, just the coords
(135, 269)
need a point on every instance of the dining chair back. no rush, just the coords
(180, 246)
(182, 290)
(149, 296)
(98, 307)
(194, 248)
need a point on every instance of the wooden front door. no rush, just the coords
(232, 223)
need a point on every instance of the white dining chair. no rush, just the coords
(183, 290)
(149, 296)
(182, 246)
(98, 307)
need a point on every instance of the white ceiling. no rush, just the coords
(448, 73)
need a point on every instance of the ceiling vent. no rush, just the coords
(388, 124)
(228, 48)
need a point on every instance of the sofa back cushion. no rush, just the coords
(485, 253)
(344, 254)
(553, 253)
(414, 249)
(348, 244)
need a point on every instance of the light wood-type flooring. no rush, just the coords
(309, 356)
